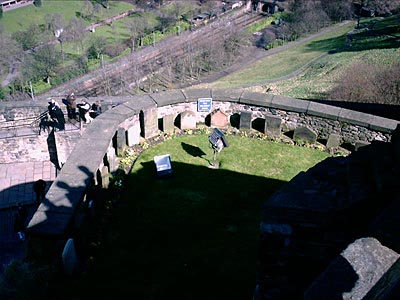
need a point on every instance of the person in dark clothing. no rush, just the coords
(20, 221)
(39, 187)
(96, 109)
(71, 106)
(56, 114)
(84, 111)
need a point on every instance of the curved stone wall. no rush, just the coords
(94, 155)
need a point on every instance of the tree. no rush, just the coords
(9, 51)
(382, 7)
(1, 12)
(54, 22)
(338, 10)
(28, 39)
(76, 32)
(137, 27)
(46, 61)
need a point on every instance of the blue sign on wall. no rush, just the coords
(204, 104)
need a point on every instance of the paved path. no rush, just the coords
(16, 186)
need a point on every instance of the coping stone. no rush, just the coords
(140, 103)
(193, 94)
(168, 98)
(355, 117)
(49, 223)
(383, 124)
(226, 95)
(290, 104)
(323, 110)
(257, 99)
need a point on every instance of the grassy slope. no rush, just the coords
(193, 236)
(318, 80)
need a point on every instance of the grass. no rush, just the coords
(195, 235)
(285, 62)
(379, 46)
(21, 18)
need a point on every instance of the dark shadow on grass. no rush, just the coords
(192, 150)
(193, 236)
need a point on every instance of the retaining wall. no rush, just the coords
(139, 116)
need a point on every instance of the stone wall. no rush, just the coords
(304, 225)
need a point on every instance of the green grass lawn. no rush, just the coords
(285, 62)
(21, 18)
(194, 235)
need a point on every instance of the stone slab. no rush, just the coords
(168, 124)
(193, 94)
(256, 99)
(323, 110)
(272, 125)
(139, 103)
(245, 120)
(355, 272)
(355, 117)
(133, 135)
(303, 133)
(219, 119)
(168, 98)
(334, 140)
(290, 104)
(226, 95)
(187, 120)
(383, 124)
(49, 223)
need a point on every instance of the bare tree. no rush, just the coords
(76, 32)
(9, 51)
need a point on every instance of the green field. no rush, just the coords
(194, 235)
(21, 18)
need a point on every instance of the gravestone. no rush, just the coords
(133, 135)
(359, 144)
(334, 141)
(168, 124)
(163, 165)
(272, 125)
(150, 122)
(105, 177)
(121, 140)
(245, 120)
(69, 257)
(304, 134)
(219, 119)
(112, 159)
(188, 120)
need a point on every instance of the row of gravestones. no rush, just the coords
(272, 125)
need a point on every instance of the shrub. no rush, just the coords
(37, 3)
(114, 50)
(1, 12)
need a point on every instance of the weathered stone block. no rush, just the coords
(168, 125)
(188, 120)
(354, 273)
(121, 140)
(272, 125)
(219, 119)
(245, 120)
(304, 134)
(133, 135)
(334, 141)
